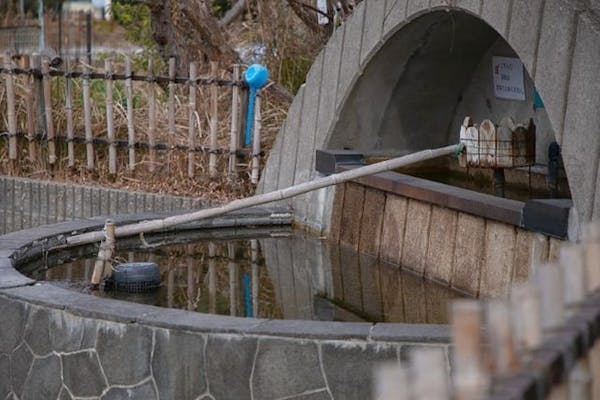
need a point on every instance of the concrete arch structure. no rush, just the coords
(557, 40)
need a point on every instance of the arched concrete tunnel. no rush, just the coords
(401, 76)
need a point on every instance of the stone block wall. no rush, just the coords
(26, 203)
(475, 254)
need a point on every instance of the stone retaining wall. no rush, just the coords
(26, 203)
(481, 251)
(56, 343)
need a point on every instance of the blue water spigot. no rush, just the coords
(256, 77)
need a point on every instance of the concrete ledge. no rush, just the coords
(483, 205)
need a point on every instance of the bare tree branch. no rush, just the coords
(235, 11)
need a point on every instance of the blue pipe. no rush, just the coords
(248, 295)
(256, 77)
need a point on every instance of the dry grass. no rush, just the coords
(170, 171)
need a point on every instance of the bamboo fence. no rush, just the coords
(113, 120)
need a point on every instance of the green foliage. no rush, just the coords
(292, 72)
(135, 18)
(220, 7)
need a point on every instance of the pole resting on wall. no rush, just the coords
(256, 77)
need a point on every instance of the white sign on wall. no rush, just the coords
(508, 78)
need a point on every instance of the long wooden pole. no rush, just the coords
(110, 129)
(214, 120)
(192, 120)
(69, 112)
(49, 117)
(130, 128)
(30, 112)
(87, 119)
(256, 141)
(12, 119)
(151, 117)
(233, 139)
(157, 224)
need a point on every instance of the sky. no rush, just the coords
(99, 3)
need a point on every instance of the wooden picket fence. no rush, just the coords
(542, 341)
(51, 112)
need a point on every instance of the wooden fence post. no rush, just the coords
(171, 108)
(256, 141)
(130, 127)
(69, 114)
(151, 117)
(87, 119)
(12, 118)
(49, 114)
(30, 112)
(214, 110)
(192, 120)
(235, 104)
(110, 133)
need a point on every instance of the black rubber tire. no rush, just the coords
(136, 276)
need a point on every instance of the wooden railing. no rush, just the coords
(74, 116)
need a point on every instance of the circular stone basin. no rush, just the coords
(97, 347)
(275, 275)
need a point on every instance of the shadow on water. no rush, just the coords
(290, 277)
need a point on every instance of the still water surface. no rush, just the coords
(293, 277)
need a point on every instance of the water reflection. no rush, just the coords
(296, 277)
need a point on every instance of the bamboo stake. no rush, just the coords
(430, 378)
(103, 265)
(527, 325)
(171, 103)
(501, 340)
(233, 138)
(214, 110)
(130, 128)
(470, 380)
(151, 118)
(12, 119)
(549, 280)
(87, 118)
(192, 119)
(49, 117)
(256, 141)
(591, 250)
(69, 112)
(391, 382)
(151, 225)
(573, 274)
(110, 133)
(30, 112)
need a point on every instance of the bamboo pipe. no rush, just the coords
(130, 127)
(158, 224)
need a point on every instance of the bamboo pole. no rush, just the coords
(171, 104)
(49, 117)
(591, 250)
(548, 278)
(110, 132)
(527, 324)
(12, 119)
(130, 128)
(87, 119)
(151, 117)
(103, 265)
(30, 112)
(504, 357)
(192, 119)
(69, 115)
(256, 141)
(214, 110)
(233, 138)
(152, 225)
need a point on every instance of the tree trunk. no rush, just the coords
(188, 30)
